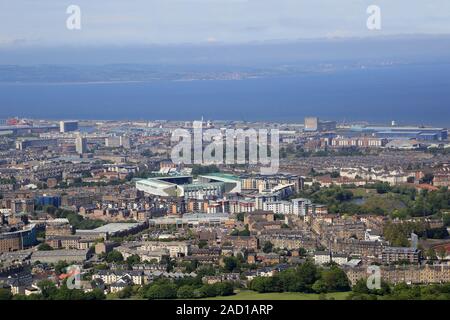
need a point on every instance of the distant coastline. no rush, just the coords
(414, 94)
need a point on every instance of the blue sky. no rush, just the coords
(125, 22)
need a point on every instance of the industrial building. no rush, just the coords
(192, 220)
(36, 143)
(112, 230)
(398, 133)
(26, 129)
(55, 256)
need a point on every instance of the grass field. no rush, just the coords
(252, 295)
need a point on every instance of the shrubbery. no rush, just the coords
(185, 289)
(49, 291)
(306, 278)
(400, 291)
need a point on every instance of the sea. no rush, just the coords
(418, 94)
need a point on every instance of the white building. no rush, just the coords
(67, 126)
(368, 236)
(117, 142)
(175, 248)
(324, 257)
(311, 124)
(300, 206)
(112, 276)
(278, 207)
(81, 145)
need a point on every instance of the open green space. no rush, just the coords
(252, 295)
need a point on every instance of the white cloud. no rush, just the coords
(181, 21)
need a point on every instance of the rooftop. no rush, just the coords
(56, 253)
(152, 182)
(116, 227)
(224, 177)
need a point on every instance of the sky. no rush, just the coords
(142, 22)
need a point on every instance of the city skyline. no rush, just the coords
(167, 152)
(116, 212)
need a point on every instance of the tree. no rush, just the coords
(133, 259)
(202, 244)
(230, 263)
(307, 274)
(48, 289)
(258, 284)
(60, 267)
(44, 247)
(185, 292)
(278, 216)
(320, 286)
(205, 271)
(170, 263)
(442, 253)
(234, 233)
(224, 288)
(114, 256)
(5, 294)
(245, 232)
(75, 220)
(335, 174)
(290, 281)
(382, 187)
(64, 293)
(446, 219)
(334, 279)
(125, 293)
(209, 290)
(96, 294)
(266, 284)
(101, 266)
(147, 153)
(51, 210)
(361, 296)
(397, 233)
(268, 247)
(431, 254)
(361, 287)
(302, 252)
(161, 291)
(191, 266)
(344, 195)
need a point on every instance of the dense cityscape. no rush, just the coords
(101, 204)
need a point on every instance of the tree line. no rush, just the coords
(401, 291)
(306, 278)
